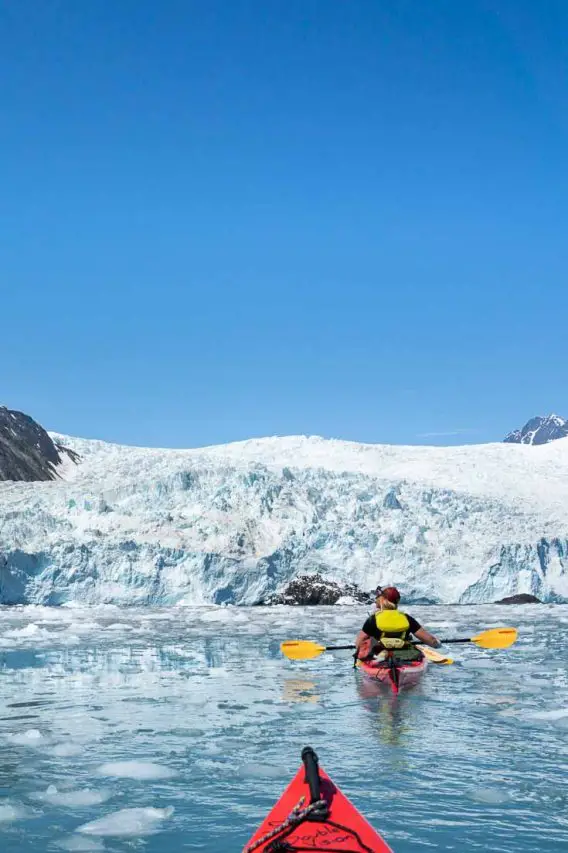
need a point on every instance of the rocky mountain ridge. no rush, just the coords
(27, 452)
(539, 430)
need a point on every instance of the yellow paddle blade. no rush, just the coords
(434, 656)
(301, 649)
(496, 638)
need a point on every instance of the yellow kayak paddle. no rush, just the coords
(305, 649)
(494, 638)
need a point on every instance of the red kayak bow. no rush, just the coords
(313, 814)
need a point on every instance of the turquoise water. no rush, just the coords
(168, 729)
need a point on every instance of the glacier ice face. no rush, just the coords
(234, 524)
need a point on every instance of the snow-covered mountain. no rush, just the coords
(539, 430)
(236, 523)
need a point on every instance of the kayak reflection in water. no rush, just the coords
(389, 721)
(389, 631)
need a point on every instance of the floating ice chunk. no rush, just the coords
(31, 737)
(70, 799)
(136, 770)
(556, 714)
(9, 812)
(66, 750)
(481, 663)
(217, 672)
(137, 821)
(30, 630)
(256, 770)
(490, 796)
(499, 700)
(79, 842)
(217, 615)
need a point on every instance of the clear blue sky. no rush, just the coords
(222, 219)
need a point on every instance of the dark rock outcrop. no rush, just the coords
(521, 598)
(308, 590)
(26, 450)
(539, 430)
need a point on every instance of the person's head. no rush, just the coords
(387, 597)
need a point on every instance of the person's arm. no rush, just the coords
(427, 637)
(363, 641)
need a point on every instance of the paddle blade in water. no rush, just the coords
(496, 638)
(301, 649)
(434, 656)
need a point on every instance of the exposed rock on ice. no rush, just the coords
(522, 598)
(314, 589)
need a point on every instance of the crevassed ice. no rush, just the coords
(233, 524)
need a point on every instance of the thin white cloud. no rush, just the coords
(446, 434)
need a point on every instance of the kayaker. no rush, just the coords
(393, 627)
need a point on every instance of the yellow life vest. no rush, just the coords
(394, 627)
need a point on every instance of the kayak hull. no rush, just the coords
(408, 674)
(344, 828)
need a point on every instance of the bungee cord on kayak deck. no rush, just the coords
(329, 822)
(296, 816)
(320, 809)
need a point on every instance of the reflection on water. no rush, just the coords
(299, 690)
(391, 721)
(181, 727)
(389, 717)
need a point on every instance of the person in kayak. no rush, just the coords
(389, 630)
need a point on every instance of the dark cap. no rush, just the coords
(391, 593)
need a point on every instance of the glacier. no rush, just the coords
(234, 524)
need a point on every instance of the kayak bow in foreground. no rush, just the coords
(313, 814)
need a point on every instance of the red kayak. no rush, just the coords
(395, 673)
(313, 814)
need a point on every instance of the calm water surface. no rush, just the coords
(168, 729)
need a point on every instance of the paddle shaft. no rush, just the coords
(342, 648)
(461, 640)
(415, 642)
